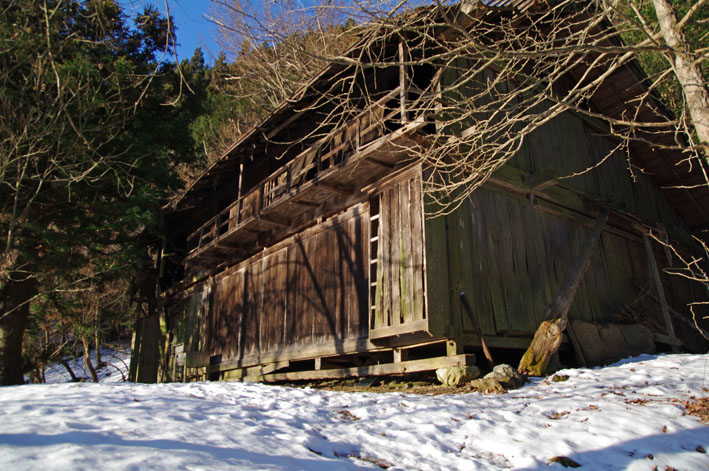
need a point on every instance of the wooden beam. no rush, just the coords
(662, 338)
(428, 364)
(664, 307)
(307, 204)
(542, 180)
(287, 122)
(335, 189)
(274, 221)
(378, 163)
(402, 83)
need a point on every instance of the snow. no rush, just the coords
(116, 357)
(624, 416)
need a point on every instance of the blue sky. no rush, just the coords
(193, 30)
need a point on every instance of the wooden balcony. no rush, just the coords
(332, 170)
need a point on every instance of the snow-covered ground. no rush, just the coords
(117, 360)
(626, 416)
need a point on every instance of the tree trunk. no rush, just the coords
(547, 339)
(87, 360)
(66, 365)
(13, 320)
(687, 70)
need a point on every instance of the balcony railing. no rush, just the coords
(327, 155)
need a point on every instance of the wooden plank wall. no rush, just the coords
(510, 258)
(308, 290)
(571, 145)
(399, 298)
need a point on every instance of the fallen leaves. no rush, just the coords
(348, 416)
(698, 408)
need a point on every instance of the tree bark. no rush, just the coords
(13, 320)
(87, 360)
(686, 69)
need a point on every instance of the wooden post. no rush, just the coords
(478, 330)
(400, 355)
(660, 290)
(453, 347)
(402, 83)
(547, 339)
(238, 191)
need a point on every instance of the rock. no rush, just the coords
(604, 344)
(487, 386)
(638, 339)
(507, 376)
(455, 375)
(565, 461)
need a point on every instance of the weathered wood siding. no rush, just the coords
(399, 298)
(570, 145)
(308, 290)
(511, 257)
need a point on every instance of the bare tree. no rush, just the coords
(517, 64)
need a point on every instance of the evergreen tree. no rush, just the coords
(89, 154)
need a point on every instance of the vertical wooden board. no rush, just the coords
(335, 294)
(290, 321)
(309, 301)
(252, 296)
(347, 289)
(574, 151)
(274, 300)
(257, 304)
(525, 261)
(360, 275)
(406, 253)
(580, 307)
(503, 280)
(637, 257)
(237, 290)
(220, 316)
(602, 295)
(417, 249)
(384, 263)
(493, 275)
(324, 315)
(455, 318)
(479, 292)
(267, 312)
(620, 270)
(518, 298)
(554, 243)
(395, 254)
(460, 250)
(356, 279)
(437, 283)
(536, 297)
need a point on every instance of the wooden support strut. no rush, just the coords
(660, 289)
(402, 82)
(547, 339)
(478, 330)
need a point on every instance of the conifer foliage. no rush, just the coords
(89, 147)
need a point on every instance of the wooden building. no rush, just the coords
(305, 251)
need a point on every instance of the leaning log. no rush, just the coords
(547, 339)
